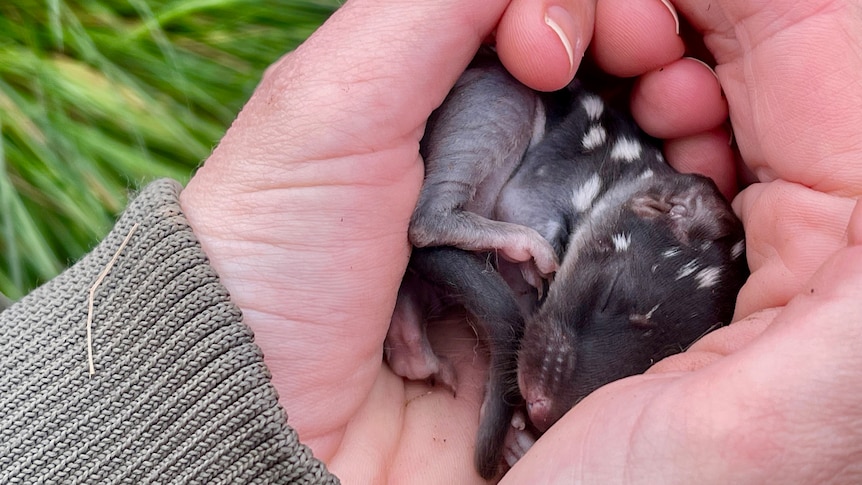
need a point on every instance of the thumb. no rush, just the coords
(378, 68)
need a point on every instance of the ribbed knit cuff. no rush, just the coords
(180, 393)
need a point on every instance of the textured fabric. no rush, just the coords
(180, 393)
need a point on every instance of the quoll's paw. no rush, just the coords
(535, 278)
(525, 245)
(416, 361)
(407, 349)
(519, 439)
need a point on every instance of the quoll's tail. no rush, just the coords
(483, 293)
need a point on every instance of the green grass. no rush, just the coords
(100, 97)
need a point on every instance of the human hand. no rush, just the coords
(303, 211)
(774, 397)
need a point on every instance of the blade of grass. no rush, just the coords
(100, 96)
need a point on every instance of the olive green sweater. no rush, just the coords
(180, 392)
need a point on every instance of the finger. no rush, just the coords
(790, 231)
(680, 99)
(715, 345)
(635, 36)
(787, 126)
(542, 43)
(708, 153)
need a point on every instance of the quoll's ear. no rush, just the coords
(692, 206)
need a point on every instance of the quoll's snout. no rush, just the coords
(643, 284)
(540, 409)
(547, 366)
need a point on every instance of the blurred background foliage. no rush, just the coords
(98, 97)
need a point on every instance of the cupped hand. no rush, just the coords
(773, 398)
(303, 211)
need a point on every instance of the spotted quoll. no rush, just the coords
(583, 256)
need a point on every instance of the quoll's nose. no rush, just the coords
(540, 410)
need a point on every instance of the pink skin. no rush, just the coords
(303, 210)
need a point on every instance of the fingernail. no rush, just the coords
(672, 12)
(706, 66)
(559, 20)
(729, 127)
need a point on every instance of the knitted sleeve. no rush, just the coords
(180, 393)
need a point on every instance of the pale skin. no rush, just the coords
(303, 210)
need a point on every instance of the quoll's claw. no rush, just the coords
(545, 258)
(445, 376)
(534, 277)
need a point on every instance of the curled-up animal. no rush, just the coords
(606, 259)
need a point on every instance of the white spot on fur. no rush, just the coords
(584, 195)
(541, 171)
(538, 125)
(706, 245)
(736, 250)
(594, 137)
(621, 241)
(659, 157)
(671, 252)
(687, 269)
(604, 211)
(708, 277)
(546, 361)
(648, 173)
(626, 150)
(594, 106)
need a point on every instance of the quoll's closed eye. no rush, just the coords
(646, 260)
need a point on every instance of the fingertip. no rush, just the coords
(707, 153)
(718, 344)
(542, 45)
(680, 99)
(634, 37)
